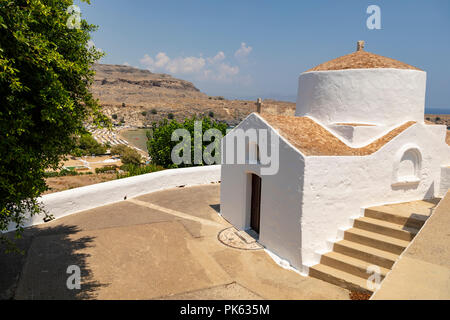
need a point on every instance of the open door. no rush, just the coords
(256, 203)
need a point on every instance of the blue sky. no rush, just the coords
(251, 48)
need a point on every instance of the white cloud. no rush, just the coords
(186, 65)
(217, 58)
(147, 62)
(211, 68)
(225, 72)
(161, 60)
(243, 51)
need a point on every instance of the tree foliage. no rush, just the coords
(160, 144)
(45, 73)
(86, 145)
(128, 155)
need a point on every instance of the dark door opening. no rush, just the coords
(256, 203)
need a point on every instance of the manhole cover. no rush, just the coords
(238, 239)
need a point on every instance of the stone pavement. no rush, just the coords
(162, 245)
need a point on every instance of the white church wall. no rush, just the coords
(357, 136)
(281, 197)
(445, 180)
(376, 96)
(337, 188)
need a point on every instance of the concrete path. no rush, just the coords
(158, 246)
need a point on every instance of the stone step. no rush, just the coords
(376, 240)
(413, 220)
(339, 278)
(374, 243)
(386, 228)
(369, 254)
(351, 265)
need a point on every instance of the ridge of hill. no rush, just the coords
(136, 98)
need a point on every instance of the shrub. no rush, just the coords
(64, 172)
(144, 113)
(160, 144)
(67, 172)
(170, 116)
(154, 111)
(106, 169)
(114, 116)
(127, 155)
(211, 114)
(118, 149)
(131, 156)
(77, 152)
(135, 170)
(50, 174)
(87, 145)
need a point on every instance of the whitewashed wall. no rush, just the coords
(378, 96)
(445, 180)
(358, 136)
(281, 197)
(336, 188)
(305, 204)
(67, 202)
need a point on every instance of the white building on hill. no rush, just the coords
(358, 139)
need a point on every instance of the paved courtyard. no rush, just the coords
(162, 245)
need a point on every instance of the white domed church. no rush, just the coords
(358, 139)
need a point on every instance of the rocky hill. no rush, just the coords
(136, 98)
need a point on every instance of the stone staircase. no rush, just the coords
(375, 240)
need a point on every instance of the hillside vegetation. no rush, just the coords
(136, 97)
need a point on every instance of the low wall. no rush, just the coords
(67, 202)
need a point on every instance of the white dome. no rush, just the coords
(362, 87)
(376, 96)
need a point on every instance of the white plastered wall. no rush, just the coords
(71, 201)
(445, 180)
(337, 188)
(281, 197)
(357, 136)
(376, 96)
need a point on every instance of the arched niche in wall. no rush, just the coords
(407, 166)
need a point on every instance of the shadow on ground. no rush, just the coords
(41, 272)
(216, 207)
(412, 220)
